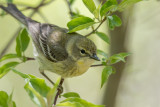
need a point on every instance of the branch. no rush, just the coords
(94, 30)
(97, 65)
(59, 91)
(29, 58)
(69, 7)
(48, 2)
(42, 16)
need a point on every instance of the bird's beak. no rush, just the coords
(94, 56)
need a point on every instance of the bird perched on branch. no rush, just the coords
(66, 54)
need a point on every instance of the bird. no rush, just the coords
(56, 50)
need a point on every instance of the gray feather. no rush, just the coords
(12, 10)
(42, 35)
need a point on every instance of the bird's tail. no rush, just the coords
(12, 10)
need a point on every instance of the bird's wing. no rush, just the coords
(51, 41)
(41, 34)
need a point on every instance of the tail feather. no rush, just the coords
(12, 9)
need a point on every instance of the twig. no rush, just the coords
(97, 65)
(69, 7)
(42, 16)
(93, 31)
(29, 58)
(49, 2)
(59, 91)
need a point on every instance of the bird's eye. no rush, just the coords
(83, 51)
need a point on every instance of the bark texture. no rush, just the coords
(117, 37)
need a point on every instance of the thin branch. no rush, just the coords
(97, 65)
(49, 2)
(29, 58)
(42, 16)
(59, 91)
(93, 31)
(69, 7)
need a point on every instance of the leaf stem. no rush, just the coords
(93, 31)
(69, 7)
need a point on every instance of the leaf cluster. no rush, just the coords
(99, 12)
(22, 42)
(108, 63)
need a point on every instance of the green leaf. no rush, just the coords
(111, 8)
(40, 86)
(52, 93)
(36, 88)
(71, 1)
(25, 76)
(5, 100)
(70, 104)
(14, 104)
(8, 56)
(110, 5)
(9, 1)
(71, 94)
(114, 21)
(22, 42)
(2, 13)
(76, 15)
(79, 23)
(123, 54)
(103, 36)
(90, 5)
(24, 39)
(6, 68)
(113, 1)
(104, 61)
(76, 100)
(107, 71)
(10, 102)
(118, 57)
(126, 3)
(35, 96)
(102, 53)
(38, 91)
(18, 46)
(96, 12)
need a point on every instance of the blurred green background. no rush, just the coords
(140, 82)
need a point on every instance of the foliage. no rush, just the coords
(6, 100)
(79, 23)
(22, 42)
(77, 102)
(39, 92)
(103, 36)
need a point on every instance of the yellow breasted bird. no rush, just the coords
(66, 54)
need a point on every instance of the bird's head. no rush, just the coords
(82, 48)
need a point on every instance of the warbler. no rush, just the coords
(66, 54)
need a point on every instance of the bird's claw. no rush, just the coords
(60, 89)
